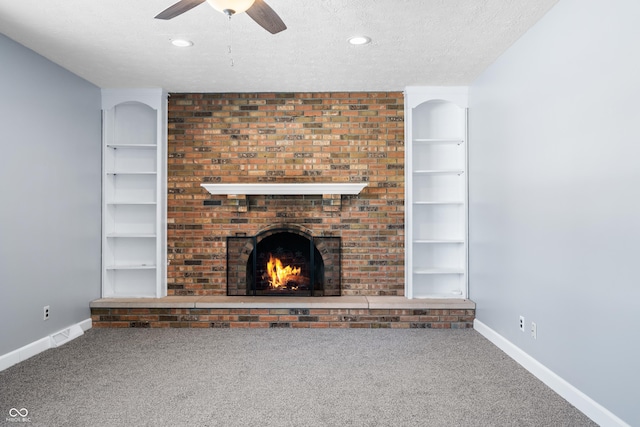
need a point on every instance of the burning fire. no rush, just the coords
(280, 276)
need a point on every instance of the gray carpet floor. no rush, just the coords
(275, 377)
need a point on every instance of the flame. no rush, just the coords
(279, 275)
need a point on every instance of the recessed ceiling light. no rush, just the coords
(359, 40)
(182, 43)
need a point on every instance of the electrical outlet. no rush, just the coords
(46, 313)
(522, 323)
(534, 330)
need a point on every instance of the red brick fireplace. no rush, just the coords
(286, 138)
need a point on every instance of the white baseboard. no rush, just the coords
(584, 403)
(53, 340)
(86, 324)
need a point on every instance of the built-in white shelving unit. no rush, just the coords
(436, 192)
(134, 193)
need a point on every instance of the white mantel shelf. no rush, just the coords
(293, 189)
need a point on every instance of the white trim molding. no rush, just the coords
(54, 340)
(584, 403)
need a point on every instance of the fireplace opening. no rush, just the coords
(283, 262)
(286, 263)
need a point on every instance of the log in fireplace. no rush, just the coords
(283, 261)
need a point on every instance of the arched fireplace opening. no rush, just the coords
(283, 262)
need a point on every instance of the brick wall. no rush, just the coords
(286, 137)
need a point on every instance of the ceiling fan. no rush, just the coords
(258, 10)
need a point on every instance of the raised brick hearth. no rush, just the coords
(276, 312)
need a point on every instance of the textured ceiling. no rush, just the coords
(117, 43)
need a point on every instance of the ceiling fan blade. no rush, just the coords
(266, 17)
(178, 9)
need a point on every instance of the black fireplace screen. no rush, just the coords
(283, 262)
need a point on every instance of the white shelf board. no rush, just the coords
(439, 271)
(285, 189)
(136, 146)
(438, 295)
(131, 267)
(131, 235)
(437, 241)
(115, 203)
(456, 141)
(131, 173)
(438, 172)
(441, 202)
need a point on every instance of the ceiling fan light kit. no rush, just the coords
(231, 7)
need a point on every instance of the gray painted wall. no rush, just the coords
(50, 139)
(555, 197)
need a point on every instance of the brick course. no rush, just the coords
(286, 137)
(280, 318)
